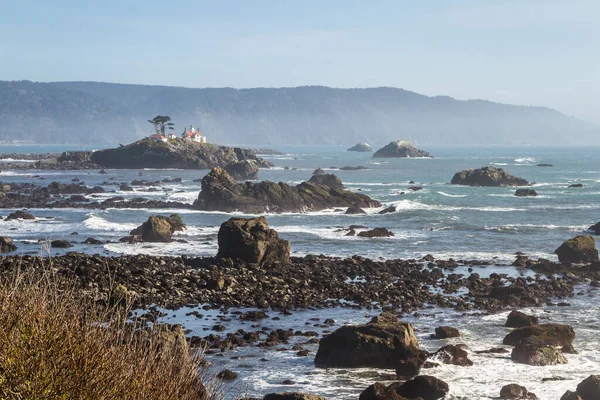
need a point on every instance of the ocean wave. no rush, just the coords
(452, 195)
(498, 163)
(96, 222)
(525, 160)
(534, 227)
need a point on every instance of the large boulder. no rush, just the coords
(243, 170)
(327, 180)
(60, 244)
(487, 176)
(424, 387)
(516, 392)
(518, 319)
(595, 229)
(159, 228)
(400, 149)
(548, 334)
(376, 232)
(362, 147)
(381, 343)
(252, 240)
(589, 388)
(6, 245)
(531, 352)
(525, 193)
(445, 332)
(220, 192)
(379, 391)
(455, 355)
(580, 249)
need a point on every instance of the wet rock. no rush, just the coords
(388, 210)
(355, 211)
(576, 185)
(544, 165)
(516, 392)
(253, 241)
(91, 240)
(548, 334)
(487, 176)
(253, 315)
(425, 387)
(329, 180)
(517, 319)
(381, 343)
(292, 396)
(400, 149)
(455, 355)
(125, 188)
(537, 354)
(357, 168)
(525, 193)
(19, 215)
(445, 332)
(318, 171)
(379, 391)
(406, 369)
(243, 170)
(361, 147)
(220, 192)
(569, 395)
(60, 244)
(227, 375)
(6, 245)
(580, 249)
(376, 232)
(159, 228)
(589, 388)
(595, 228)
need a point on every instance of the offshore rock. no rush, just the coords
(517, 319)
(525, 193)
(243, 170)
(487, 176)
(253, 241)
(400, 149)
(159, 228)
(327, 180)
(580, 249)
(362, 147)
(220, 192)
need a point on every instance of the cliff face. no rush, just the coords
(147, 153)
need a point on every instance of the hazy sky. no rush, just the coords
(530, 52)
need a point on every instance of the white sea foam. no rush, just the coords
(525, 160)
(96, 222)
(452, 195)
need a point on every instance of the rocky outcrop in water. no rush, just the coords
(243, 170)
(220, 192)
(588, 389)
(516, 392)
(487, 176)
(539, 345)
(6, 245)
(525, 193)
(361, 147)
(376, 232)
(381, 343)
(20, 214)
(580, 249)
(445, 332)
(424, 387)
(253, 241)
(517, 319)
(329, 180)
(400, 149)
(148, 153)
(159, 228)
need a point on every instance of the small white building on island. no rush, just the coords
(158, 137)
(193, 134)
(171, 136)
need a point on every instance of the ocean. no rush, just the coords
(444, 220)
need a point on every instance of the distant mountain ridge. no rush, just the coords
(109, 113)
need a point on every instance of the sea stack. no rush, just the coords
(400, 149)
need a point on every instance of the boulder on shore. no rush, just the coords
(252, 240)
(400, 149)
(6, 245)
(516, 392)
(220, 192)
(487, 176)
(580, 249)
(362, 147)
(243, 170)
(381, 343)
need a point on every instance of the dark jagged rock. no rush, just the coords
(517, 319)
(91, 240)
(516, 392)
(388, 210)
(544, 165)
(253, 241)
(227, 375)
(60, 244)
(455, 355)
(362, 147)
(318, 171)
(359, 168)
(355, 211)
(525, 193)
(400, 149)
(580, 249)
(148, 153)
(221, 193)
(487, 176)
(576, 185)
(376, 232)
(243, 170)
(425, 387)
(595, 228)
(19, 215)
(379, 391)
(6, 245)
(589, 388)
(537, 354)
(445, 332)
(381, 343)
(327, 180)
(549, 334)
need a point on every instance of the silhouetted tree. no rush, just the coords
(162, 122)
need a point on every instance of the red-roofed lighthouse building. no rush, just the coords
(193, 134)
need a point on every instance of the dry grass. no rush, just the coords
(56, 344)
